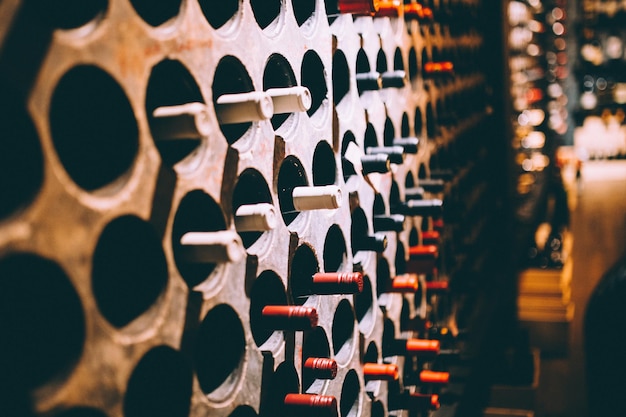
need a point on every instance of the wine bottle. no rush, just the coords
(388, 223)
(394, 153)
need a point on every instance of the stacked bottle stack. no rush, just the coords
(261, 208)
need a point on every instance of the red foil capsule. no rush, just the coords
(424, 251)
(358, 7)
(404, 284)
(337, 283)
(418, 12)
(431, 237)
(322, 368)
(390, 8)
(381, 371)
(278, 317)
(415, 346)
(422, 259)
(434, 377)
(310, 405)
(435, 287)
(435, 69)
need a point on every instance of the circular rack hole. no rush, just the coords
(335, 251)
(394, 196)
(431, 125)
(82, 412)
(409, 180)
(284, 381)
(389, 133)
(359, 228)
(265, 11)
(389, 335)
(421, 173)
(231, 77)
(383, 276)
(379, 205)
(405, 315)
(218, 13)
(251, 188)
(371, 139)
(343, 331)
(278, 74)
(371, 353)
(267, 290)
(418, 121)
(381, 61)
(378, 409)
(93, 127)
(413, 67)
(243, 411)
(43, 324)
(290, 176)
(160, 385)
(171, 84)
(350, 395)
(424, 57)
(364, 305)
(220, 349)
(362, 65)
(313, 77)
(314, 345)
(21, 157)
(197, 212)
(404, 127)
(346, 166)
(156, 13)
(67, 15)
(341, 76)
(129, 270)
(398, 61)
(303, 266)
(400, 261)
(303, 10)
(324, 165)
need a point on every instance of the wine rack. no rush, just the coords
(240, 209)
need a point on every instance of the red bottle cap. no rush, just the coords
(406, 283)
(434, 377)
(437, 286)
(444, 67)
(414, 11)
(438, 225)
(324, 368)
(381, 371)
(278, 317)
(390, 8)
(358, 7)
(424, 251)
(311, 405)
(431, 237)
(338, 283)
(422, 346)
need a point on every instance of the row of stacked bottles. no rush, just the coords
(256, 208)
(538, 65)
